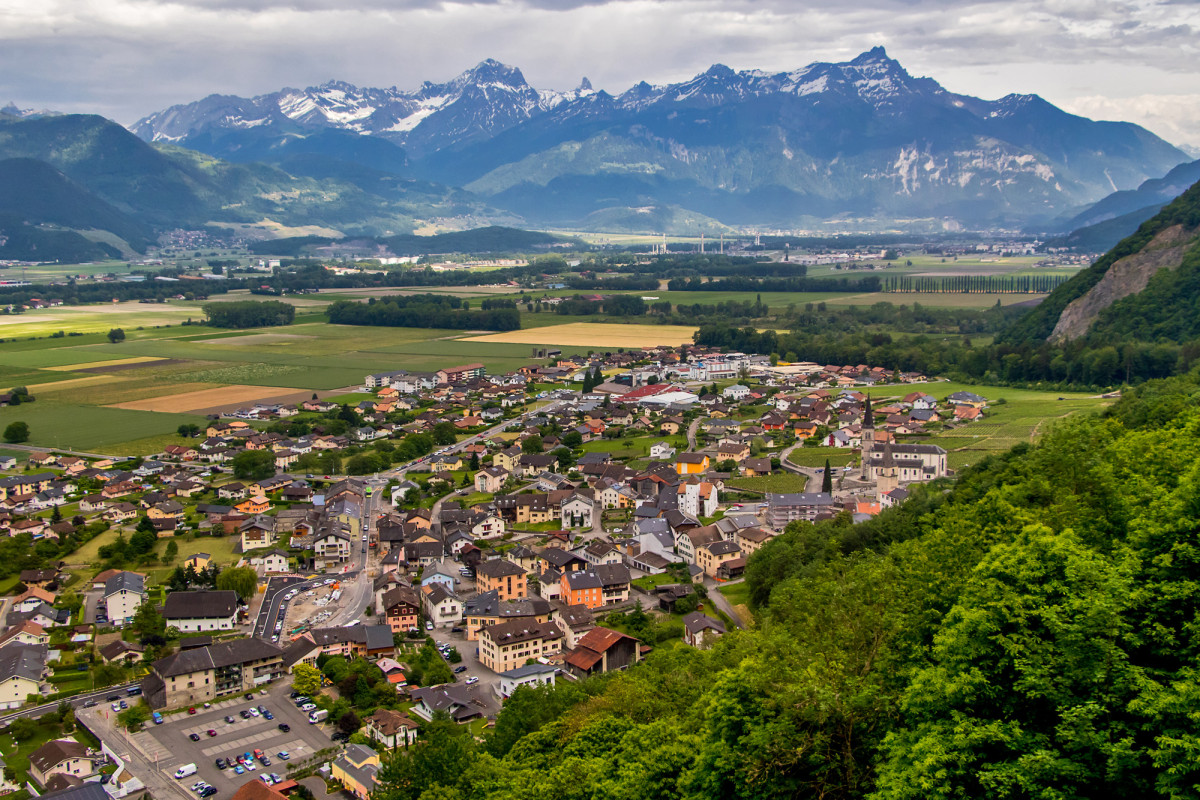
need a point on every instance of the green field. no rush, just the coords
(90, 428)
(1022, 416)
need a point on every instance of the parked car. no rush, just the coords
(209, 792)
(308, 706)
(472, 680)
(460, 668)
(283, 726)
(211, 732)
(195, 737)
(229, 718)
(284, 755)
(268, 715)
(239, 770)
(191, 711)
(221, 763)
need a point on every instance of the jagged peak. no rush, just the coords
(719, 71)
(492, 71)
(585, 85)
(875, 54)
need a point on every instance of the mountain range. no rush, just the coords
(856, 142)
(83, 174)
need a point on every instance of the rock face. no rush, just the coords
(1127, 276)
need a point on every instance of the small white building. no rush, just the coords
(736, 392)
(123, 593)
(532, 675)
(661, 451)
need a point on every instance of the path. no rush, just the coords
(691, 435)
(720, 601)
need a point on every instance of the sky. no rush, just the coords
(1133, 60)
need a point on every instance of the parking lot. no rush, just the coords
(170, 744)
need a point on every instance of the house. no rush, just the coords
(390, 728)
(602, 585)
(967, 399)
(503, 577)
(121, 651)
(710, 557)
(275, 561)
(602, 650)
(200, 674)
(26, 632)
(401, 609)
(700, 630)
(332, 546)
(356, 769)
(198, 611)
(258, 504)
(753, 467)
(531, 675)
(737, 392)
(691, 463)
(490, 480)
(59, 757)
(508, 645)
(123, 593)
(40, 578)
(22, 668)
(455, 699)
(442, 606)
(662, 451)
(576, 511)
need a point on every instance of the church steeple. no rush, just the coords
(869, 414)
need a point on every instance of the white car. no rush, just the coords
(253, 711)
(472, 680)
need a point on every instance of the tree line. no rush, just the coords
(422, 311)
(249, 314)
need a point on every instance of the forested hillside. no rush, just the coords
(1029, 631)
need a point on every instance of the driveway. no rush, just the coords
(488, 681)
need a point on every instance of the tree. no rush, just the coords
(243, 580)
(306, 680)
(16, 432)
(349, 723)
(108, 674)
(827, 480)
(455, 657)
(436, 763)
(148, 622)
(254, 464)
(116, 335)
(532, 444)
(134, 717)
(23, 729)
(172, 551)
(444, 433)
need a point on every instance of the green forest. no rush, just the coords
(1029, 631)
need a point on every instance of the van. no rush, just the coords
(133, 691)
(185, 770)
(157, 717)
(320, 715)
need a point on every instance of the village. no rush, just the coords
(299, 588)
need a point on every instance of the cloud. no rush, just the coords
(127, 58)
(1174, 117)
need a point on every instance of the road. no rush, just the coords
(44, 448)
(77, 701)
(691, 434)
(720, 601)
(101, 721)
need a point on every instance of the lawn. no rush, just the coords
(90, 428)
(87, 562)
(780, 482)
(16, 754)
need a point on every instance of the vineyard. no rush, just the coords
(970, 284)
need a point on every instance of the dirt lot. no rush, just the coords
(595, 334)
(214, 400)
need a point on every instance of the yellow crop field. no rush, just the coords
(600, 335)
(116, 362)
(211, 398)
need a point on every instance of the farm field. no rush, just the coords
(89, 428)
(96, 319)
(203, 399)
(595, 334)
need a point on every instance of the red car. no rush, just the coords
(191, 711)
(211, 732)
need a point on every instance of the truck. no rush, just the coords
(185, 770)
(320, 715)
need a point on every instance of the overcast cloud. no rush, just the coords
(1134, 60)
